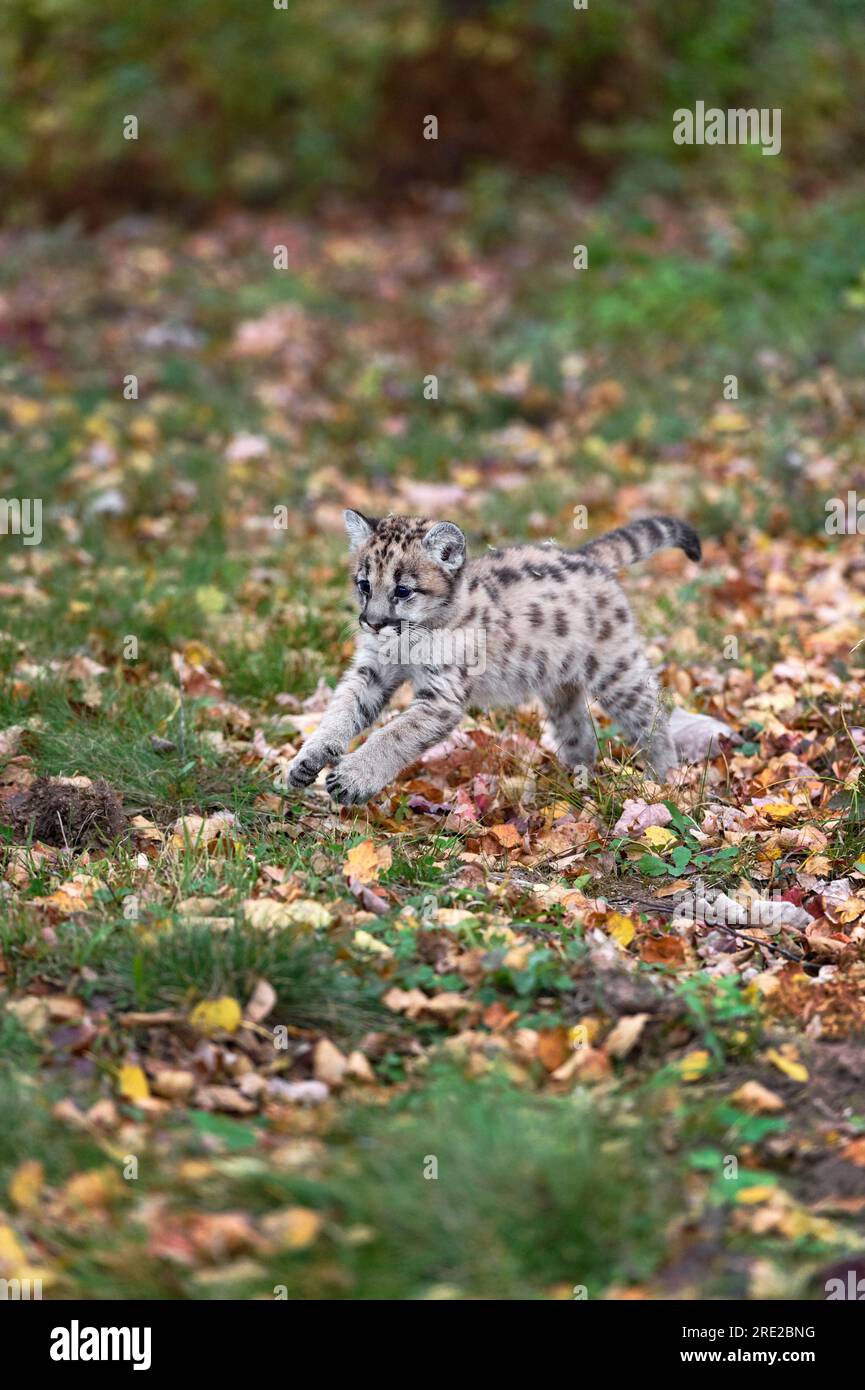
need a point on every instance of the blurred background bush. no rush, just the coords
(241, 101)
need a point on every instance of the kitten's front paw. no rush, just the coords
(350, 784)
(307, 765)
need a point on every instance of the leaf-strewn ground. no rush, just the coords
(487, 1037)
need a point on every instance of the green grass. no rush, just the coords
(528, 1193)
(150, 966)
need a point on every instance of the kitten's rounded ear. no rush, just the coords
(359, 527)
(447, 545)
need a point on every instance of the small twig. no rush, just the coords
(63, 831)
(181, 721)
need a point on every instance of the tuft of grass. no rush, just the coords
(476, 1188)
(171, 967)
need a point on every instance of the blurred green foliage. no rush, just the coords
(243, 100)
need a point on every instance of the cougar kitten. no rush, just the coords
(528, 621)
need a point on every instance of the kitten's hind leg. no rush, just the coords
(637, 706)
(573, 731)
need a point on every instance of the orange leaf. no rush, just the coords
(365, 861)
(554, 1047)
(507, 835)
(662, 950)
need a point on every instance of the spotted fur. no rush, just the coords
(556, 625)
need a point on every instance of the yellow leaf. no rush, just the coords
(365, 861)
(26, 1184)
(197, 654)
(728, 421)
(294, 1228)
(132, 1083)
(23, 410)
(584, 1033)
(658, 837)
(817, 864)
(790, 1066)
(621, 929)
(750, 1196)
(694, 1065)
(217, 1015)
(11, 1254)
(210, 599)
(848, 911)
(779, 810)
(365, 941)
(266, 914)
(306, 913)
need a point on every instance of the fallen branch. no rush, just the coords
(722, 926)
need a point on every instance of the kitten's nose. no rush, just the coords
(380, 624)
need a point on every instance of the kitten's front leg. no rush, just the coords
(357, 701)
(438, 707)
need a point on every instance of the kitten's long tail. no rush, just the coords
(628, 544)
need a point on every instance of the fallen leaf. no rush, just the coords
(751, 1196)
(328, 1063)
(365, 941)
(621, 929)
(294, 1228)
(787, 1062)
(221, 1015)
(657, 837)
(694, 1065)
(507, 835)
(132, 1083)
(854, 1152)
(173, 1084)
(554, 1047)
(262, 1001)
(662, 950)
(620, 1041)
(25, 1185)
(366, 861)
(757, 1099)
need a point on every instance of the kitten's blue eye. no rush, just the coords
(364, 586)
(401, 591)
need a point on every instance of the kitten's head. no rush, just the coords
(405, 569)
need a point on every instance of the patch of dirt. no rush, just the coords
(819, 1112)
(835, 1094)
(66, 814)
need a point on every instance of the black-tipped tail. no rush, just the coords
(629, 544)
